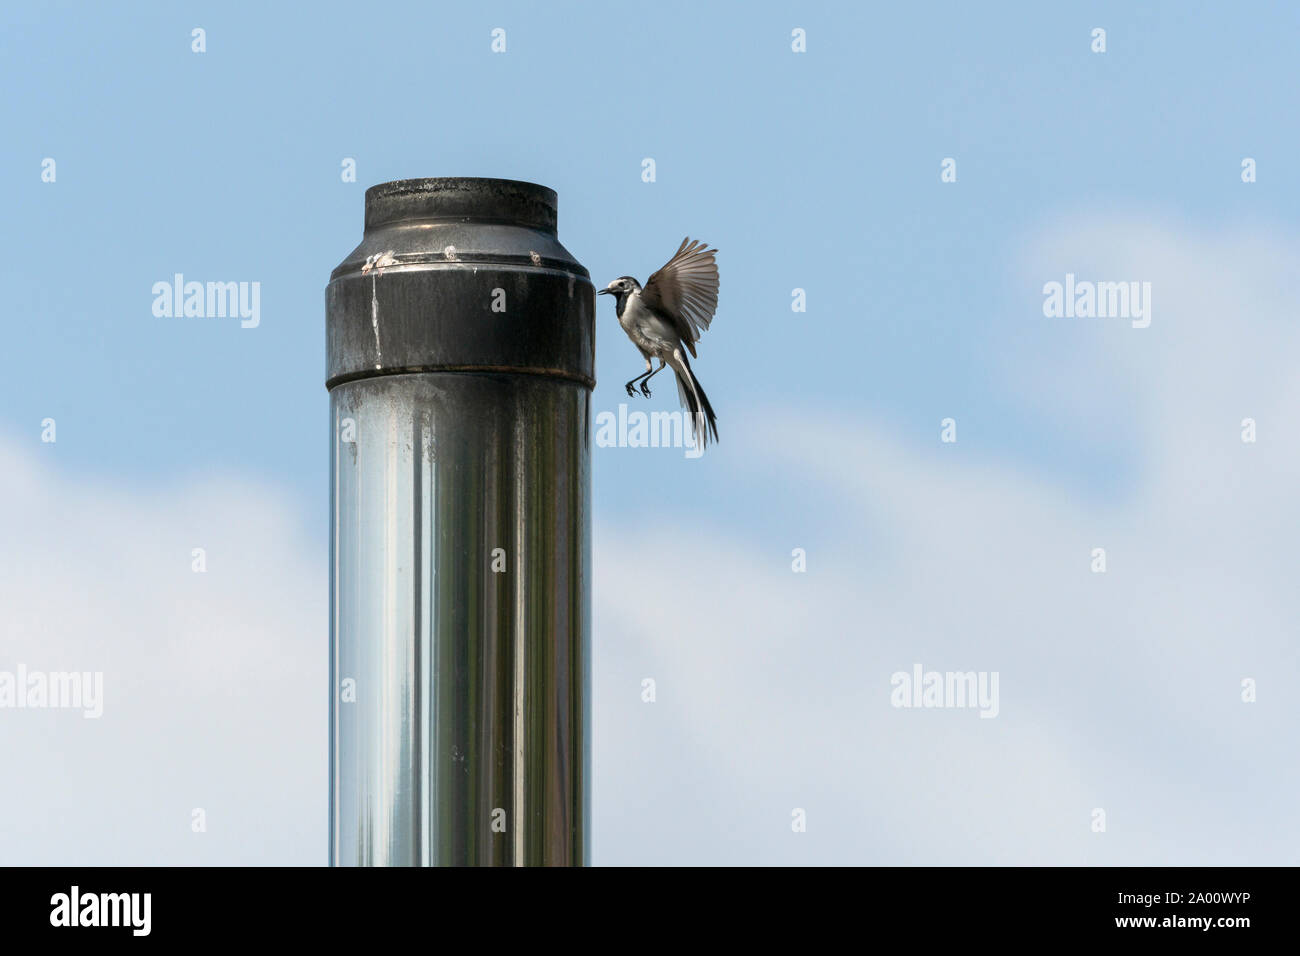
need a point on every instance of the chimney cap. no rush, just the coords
(464, 199)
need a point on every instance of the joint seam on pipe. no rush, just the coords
(575, 377)
(412, 262)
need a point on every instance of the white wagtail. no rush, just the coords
(675, 306)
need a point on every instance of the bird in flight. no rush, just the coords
(664, 320)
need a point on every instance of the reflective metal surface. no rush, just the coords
(460, 547)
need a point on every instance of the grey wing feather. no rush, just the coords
(686, 290)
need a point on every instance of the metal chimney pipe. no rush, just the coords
(461, 358)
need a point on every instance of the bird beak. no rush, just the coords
(603, 292)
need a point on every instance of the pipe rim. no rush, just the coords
(462, 199)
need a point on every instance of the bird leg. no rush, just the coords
(647, 372)
(645, 387)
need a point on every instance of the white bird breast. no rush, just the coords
(648, 331)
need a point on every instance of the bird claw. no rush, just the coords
(645, 389)
(631, 392)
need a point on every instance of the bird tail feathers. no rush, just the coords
(691, 392)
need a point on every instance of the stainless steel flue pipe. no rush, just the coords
(461, 358)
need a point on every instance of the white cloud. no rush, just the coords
(214, 683)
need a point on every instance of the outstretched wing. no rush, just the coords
(685, 290)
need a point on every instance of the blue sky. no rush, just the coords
(819, 171)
